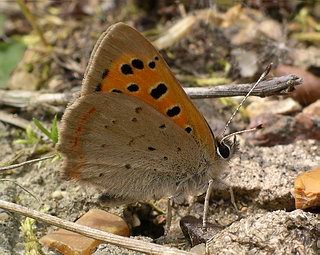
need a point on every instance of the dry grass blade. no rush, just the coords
(21, 187)
(4, 168)
(175, 33)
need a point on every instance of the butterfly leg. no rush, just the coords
(233, 201)
(169, 215)
(206, 205)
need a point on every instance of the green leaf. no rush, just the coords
(54, 130)
(11, 53)
(42, 128)
(30, 137)
(53, 133)
(2, 20)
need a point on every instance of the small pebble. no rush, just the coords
(199, 249)
(227, 239)
(265, 105)
(4, 216)
(193, 231)
(70, 243)
(58, 194)
(307, 189)
(244, 209)
(135, 220)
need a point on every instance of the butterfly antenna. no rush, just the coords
(260, 126)
(263, 75)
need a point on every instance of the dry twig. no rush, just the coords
(275, 86)
(13, 119)
(131, 244)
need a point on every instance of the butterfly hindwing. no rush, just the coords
(127, 148)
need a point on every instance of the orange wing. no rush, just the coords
(124, 61)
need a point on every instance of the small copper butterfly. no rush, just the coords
(133, 132)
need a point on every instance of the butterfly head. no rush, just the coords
(227, 147)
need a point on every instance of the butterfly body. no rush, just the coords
(134, 133)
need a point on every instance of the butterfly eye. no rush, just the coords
(223, 150)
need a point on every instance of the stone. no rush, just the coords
(199, 249)
(246, 61)
(280, 129)
(193, 231)
(70, 243)
(307, 189)
(265, 105)
(277, 232)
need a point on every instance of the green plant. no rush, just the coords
(32, 245)
(51, 133)
(11, 52)
(30, 138)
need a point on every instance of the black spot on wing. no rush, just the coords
(138, 109)
(152, 64)
(188, 129)
(137, 63)
(151, 148)
(126, 69)
(133, 87)
(159, 91)
(98, 87)
(116, 91)
(174, 111)
(105, 73)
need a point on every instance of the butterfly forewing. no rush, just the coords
(123, 61)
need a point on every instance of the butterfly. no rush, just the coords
(133, 133)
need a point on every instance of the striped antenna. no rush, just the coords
(263, 75)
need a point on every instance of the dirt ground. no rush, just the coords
(233, 46)
(261, 179)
